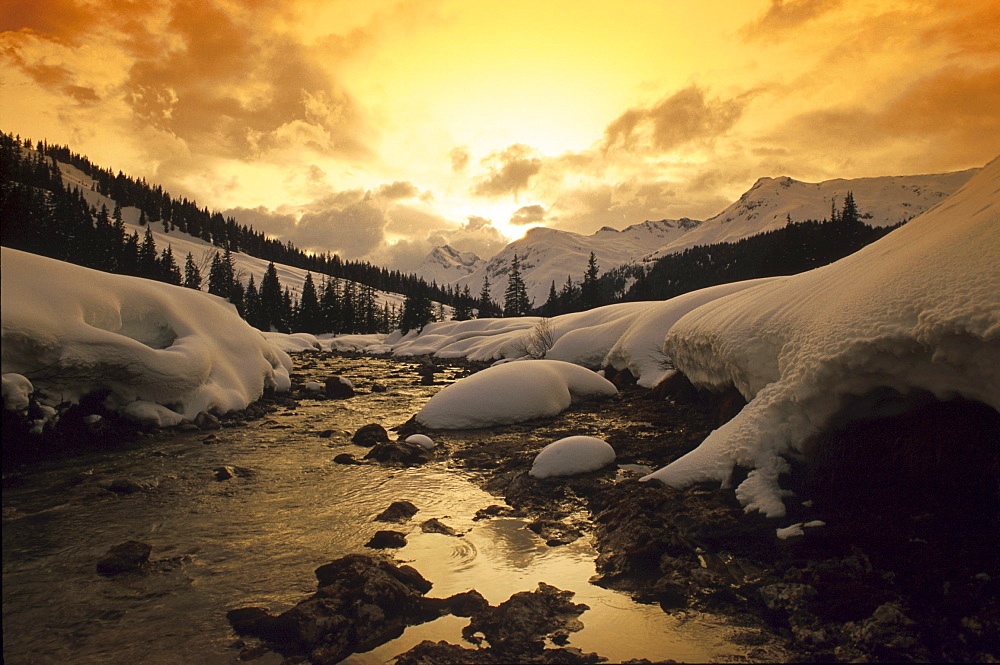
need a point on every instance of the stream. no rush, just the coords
(255, 539)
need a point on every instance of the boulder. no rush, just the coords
(205, 420)
(434, 525)
(369, 435)
(337, 387)
(399, 452)
(398, 512)
(387, 540)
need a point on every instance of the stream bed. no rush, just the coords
(256, 538)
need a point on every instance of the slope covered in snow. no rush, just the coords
(918, 310)
(445, 264)
(164, 353)
(550, 255)
(772, 201)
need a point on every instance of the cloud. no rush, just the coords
(397, 190)
(945, 120)
(684, 117)
(528, 215)
(459, 158)
(784, 15)
(509, 171)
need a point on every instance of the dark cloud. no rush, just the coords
(53, 77)
(397, 190)
(459, 159)
(528, 215)
(681, 118)
(63, 21)
(509, 171)
(784, 15)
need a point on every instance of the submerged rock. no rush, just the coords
(434, 525)
(345, 458)
(522, 622)
(337, 387)
(128, 557)
(399, 452)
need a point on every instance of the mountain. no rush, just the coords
(771, 202)
(445, 264)
(550, 255)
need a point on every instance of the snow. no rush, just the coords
(446, 264)
(917, 310)
(512, 393)
(421, 440)
(293, 343)
(16, 391)
(163, 352)
(572, 455)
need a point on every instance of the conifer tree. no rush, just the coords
(329, 304)
(417, 310)
(463, 305)
(169, 272)
(309, 315)
(148, 265)
(192, 275)
(485, 306)
(590, 290)
(515, 302)
(271, 302)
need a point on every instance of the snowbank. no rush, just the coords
(512, 393)
(72, 331)
(639, 348)
(572, 455)
(917, 310)
(293, 343)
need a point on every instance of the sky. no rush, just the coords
(381, 129)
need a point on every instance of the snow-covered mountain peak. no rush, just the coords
(445, 264)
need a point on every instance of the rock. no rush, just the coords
(387, 540)
(398, 512)
(337, 387)
(369, 435)
(227, 472)
(326, 434)
(205, 420)
(361, 602)
(128, 557)
(378, 388)
(467, 603)
(399, 452)
(496, 511)
(434, 525)
(345, 458)
(555, 533)
(125, 486)
(521, 623)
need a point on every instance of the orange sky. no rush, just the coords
(379, 129)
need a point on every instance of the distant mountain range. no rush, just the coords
(550, 255)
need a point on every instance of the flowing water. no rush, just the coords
(255, 540)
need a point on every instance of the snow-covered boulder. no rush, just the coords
(917, 310)
(293, 343)
(512, 393)
(73, 331)
(421, 440)
(572, 455)
(16, 392)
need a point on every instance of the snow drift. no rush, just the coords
(164, 352)
(917, 310)
(512, 393)
(572, 455)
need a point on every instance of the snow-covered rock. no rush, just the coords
(16, 392)
(572, 455)
(421, 440)
(917, 310)
(73, 331)
(293, 343)
(512, 393)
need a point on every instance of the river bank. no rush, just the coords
(866, 586)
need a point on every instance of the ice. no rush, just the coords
(572, 455)
(512, 393)
(73, 331)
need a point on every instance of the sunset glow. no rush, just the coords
(470, 122)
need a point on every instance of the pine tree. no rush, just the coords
(417, 309)
(590, 290)
(271, 304)
(252, 304)
(463, 305)
(569, 296)
(551, 306)
(309, 314)
(192, 275)
(849, 213)
(148, 265)
(515, 302)
(485, 305)
(169, 272)
(329, 304)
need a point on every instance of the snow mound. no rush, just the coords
(512, 393)
(421, 440)
(572, 455)
(293, 343)
(72, 331)
(917, 310)
(16, 391)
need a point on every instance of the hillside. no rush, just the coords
(771, 202)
